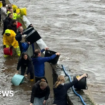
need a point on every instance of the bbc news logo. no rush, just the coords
(7, 93)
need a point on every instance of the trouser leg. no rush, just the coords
(31, 75)
(23, 69)
(18, 51)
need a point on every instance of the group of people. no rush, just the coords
(13, 37)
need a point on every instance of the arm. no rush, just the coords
(47, 94)
(68, 85)
(33, 94)
(45, 59)
(30, 67)
(42, 50)
(18, 37)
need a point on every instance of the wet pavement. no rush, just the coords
(76, 29)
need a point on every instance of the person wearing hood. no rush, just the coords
(38, 62)
(23, 63)
(60, 89)
(40, 93)
(9, 41)
(7, 21)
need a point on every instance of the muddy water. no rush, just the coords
(76, 29)
(7, 70)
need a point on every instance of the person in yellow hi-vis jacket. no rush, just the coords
(10, 41)
(15, 15)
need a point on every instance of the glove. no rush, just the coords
(4, 46)
(11, 46)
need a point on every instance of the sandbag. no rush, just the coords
(33, 36)
(49, 53)
(82, 84)
(23, 11)
(28, 30)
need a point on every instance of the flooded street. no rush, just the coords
(76, 29)
(7, 70)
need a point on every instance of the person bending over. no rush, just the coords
(40, 93)
(60, 89)
(10, 41)
(25, 62)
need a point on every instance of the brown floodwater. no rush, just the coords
(76, 29)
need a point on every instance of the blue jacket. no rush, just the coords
(39, 67)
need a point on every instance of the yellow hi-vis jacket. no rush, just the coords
(15, 15)
(10, 40)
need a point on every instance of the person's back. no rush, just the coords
(60, 95)
(39, 61)
(40, 93)
(60, 89)
(39, 66)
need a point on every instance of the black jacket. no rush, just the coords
(60, 93)
(19, 38)
(13, 27)
(6, 22)
(25, 63)
(37, 92)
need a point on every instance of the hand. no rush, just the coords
(31, 104)
(46, 48)
(17, 72)
(25, 75)
(57, 53)
(44, 102)
(28, 42)
(85, 75)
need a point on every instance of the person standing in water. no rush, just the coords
(38, 62)
(9, 41)
(25, 62)
(40, 93)
(60, 89)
